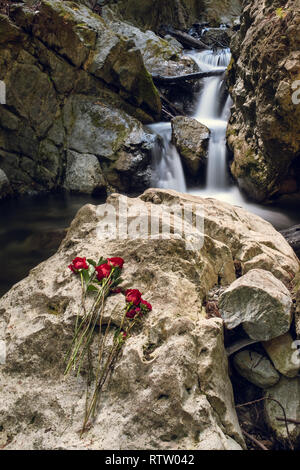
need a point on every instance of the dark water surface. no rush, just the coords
(31, 229)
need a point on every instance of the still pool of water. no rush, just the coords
(31, 229)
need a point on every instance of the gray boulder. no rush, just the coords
(191, 139)
(283, 351)
(256, 368)
(259, 302)
(287, 393)
(83, 173)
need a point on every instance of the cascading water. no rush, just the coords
(210, 113)
(214, 112)
(167, 171)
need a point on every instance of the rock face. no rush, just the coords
(256, 368)
(264, 129)
(160, 56)
(69, 77)
(286, 392)
(191, 139)
(222, 11)
(281, 351)
(5, 188)
(260, 302)
(152, 14)
(170, 388)
(292, 235)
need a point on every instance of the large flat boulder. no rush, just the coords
(260, 302)
(170, 388)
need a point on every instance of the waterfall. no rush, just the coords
(210, 113)
(167, 171)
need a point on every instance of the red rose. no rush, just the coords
(133, 312)
(147, 305)
(118, 262)
(134, 296)
(103, 271)
(78, 263)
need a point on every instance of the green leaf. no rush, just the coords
(118, 331)
(92, 288)
(116, 282)
(101, 261)
(117, 272)
(92, 262)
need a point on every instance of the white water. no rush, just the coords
(167, 167)
(167, 171)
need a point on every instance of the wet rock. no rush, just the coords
(292, 235)
(75, 58)
(259, 302)
(5, 188)
(160, 56)
(83, 173)
(191, 139)
(283, 351)
(264, 129)
(256, 368)
(144, 13)
(175, 364)
(118, 140)
(287, 393)
(217, 37)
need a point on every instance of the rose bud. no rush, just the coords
(77, 264)
(103, 271)
(117, 262)
(134, 296)
(131, 313)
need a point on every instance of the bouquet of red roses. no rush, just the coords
(101, 280)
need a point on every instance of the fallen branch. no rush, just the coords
(187, 40)
(171, 106)
(289, 420)
(254, 440)
(283, 410)
(162, 80)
